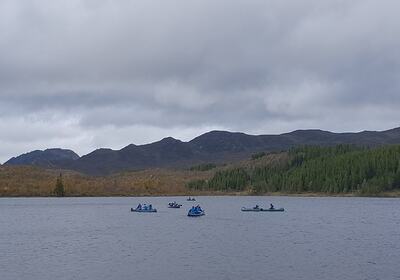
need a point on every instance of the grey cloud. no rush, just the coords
(147, 69)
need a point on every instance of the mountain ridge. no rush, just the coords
(215, 146)
(44, 158)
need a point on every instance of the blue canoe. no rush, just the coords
(252, 209)
(153, 210)
(273, 210)
(196, 212)
(258, 209)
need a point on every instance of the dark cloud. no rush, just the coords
(84, 74)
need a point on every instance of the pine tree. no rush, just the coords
(59, 188)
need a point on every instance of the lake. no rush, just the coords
(99, 238)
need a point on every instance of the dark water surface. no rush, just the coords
(98, 238)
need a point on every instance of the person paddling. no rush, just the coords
(271, 207)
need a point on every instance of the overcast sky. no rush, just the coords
(89, 74)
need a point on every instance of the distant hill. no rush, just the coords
(48, 158)
(214, 146)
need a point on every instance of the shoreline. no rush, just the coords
(392, 194)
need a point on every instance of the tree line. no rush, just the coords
(203, 167)
(337, 169)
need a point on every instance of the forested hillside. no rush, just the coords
(339, 169)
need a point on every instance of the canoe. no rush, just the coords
(144, 210)
(273, 210)
(196, 214)
(191, 199)
(244, 209)
(175, 206)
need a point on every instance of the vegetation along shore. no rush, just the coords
(342, 170)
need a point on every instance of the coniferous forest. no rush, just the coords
(338, 169)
